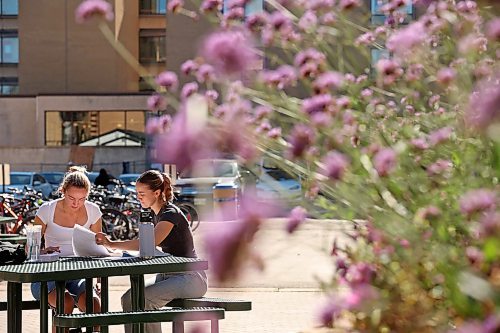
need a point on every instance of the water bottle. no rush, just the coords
(146, 236)
(34, 242)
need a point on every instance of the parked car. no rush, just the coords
(34, 180)
(128, 179)
(92, 176)
(54, 178)
(197, 184)
(276, 184)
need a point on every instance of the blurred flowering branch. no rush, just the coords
(410, 144)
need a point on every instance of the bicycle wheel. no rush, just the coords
(191, 214)
(115, 224)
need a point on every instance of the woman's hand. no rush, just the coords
(102, 239)
(50, 249)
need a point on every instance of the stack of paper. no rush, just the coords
(84, 243)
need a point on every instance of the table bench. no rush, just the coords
(187, 304)
(175, 315)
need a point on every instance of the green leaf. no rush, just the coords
(491, 249)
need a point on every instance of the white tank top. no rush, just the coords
(56, 235)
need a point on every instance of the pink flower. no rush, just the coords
(184, 143)
(211, 6)
(335, 165)
(205, 73)
(157, 102)
(297, 217)
(477, 201)
(230, 52)
(330, 311)
(274, 133)
(384, 161)
(308, 21)
(300, 139)
(483, 109)
(360, 274)
(490, 224)
(349, 4)
(189, 66)
(420, 143)
(168, 80)
(318, 103)
(439, 167)
(175, 5)
(328, 80)
(359, 295)
(230, 247)
(493, 29)
(446, 75)
(389, 70)
(439, 136)
(188, 89)
(474, 255)
(404, 40)
(158, 125)
(90, 8)
(282, 77)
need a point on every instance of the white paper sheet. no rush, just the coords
(84, 243)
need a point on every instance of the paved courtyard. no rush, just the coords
(285, 296)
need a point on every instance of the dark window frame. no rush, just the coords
(155, 35)
(2, 14)
(156, 7)
(9, 82)
(8, 34)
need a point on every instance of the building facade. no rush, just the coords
(64, 88)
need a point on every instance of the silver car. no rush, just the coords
(34, 180)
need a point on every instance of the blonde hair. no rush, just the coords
(158, 181)
(76, 177)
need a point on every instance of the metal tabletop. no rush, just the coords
(69, 268)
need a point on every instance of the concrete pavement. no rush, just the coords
(285, 296)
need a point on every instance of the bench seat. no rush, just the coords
(176, 315)
(226, 304)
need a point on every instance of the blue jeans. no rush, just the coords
(74, 287)
(163, 288)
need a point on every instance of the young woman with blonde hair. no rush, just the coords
(58, 219)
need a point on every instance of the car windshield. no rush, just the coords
(20, 179)
(128, 179)
(279, 174)
(212, 169)
(53, 178)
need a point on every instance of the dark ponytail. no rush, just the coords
(158, 181)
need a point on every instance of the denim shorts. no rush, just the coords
(74, 287)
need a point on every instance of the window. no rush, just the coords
(9, 7)
(9, 43)
(153, 7)
(252, 7)
(9, 86)
(89, 128)
(378, 16)
(152, 46)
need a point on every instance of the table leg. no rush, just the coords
(44, 308)
(137, 298)
(104, 300)
(60, 291)
(89, 299)
(14, 307)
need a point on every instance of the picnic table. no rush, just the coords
(69, 268)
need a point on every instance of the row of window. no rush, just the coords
(64, 128)
(9, 8)
(159, 7)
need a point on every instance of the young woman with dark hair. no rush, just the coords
(173, 235)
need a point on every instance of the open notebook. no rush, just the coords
(84, 246)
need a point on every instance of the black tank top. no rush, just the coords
(179, 241)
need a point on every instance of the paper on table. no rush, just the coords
(84, 243)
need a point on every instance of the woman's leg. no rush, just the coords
(69, 302)
(163, 288)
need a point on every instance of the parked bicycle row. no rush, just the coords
(121, 210)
